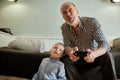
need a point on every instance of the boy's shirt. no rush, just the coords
(50, 69)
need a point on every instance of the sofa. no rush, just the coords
(24, 64)
(20, 58)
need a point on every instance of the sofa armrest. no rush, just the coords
(20, 63)
(116, 54)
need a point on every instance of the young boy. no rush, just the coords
(52, 68)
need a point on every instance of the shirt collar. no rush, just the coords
(54, 60)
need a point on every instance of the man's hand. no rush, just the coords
(71, 55)
(90, 57)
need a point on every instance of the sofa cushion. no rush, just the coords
(34, 45)
(116, 42)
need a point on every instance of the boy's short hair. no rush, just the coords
(60, 43)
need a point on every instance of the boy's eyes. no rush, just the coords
(57, 48)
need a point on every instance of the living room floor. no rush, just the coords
(11, 78)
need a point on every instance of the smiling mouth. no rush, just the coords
(70, 19)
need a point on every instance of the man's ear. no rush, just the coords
(77, 11)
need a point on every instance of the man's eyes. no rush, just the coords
(70, 10)
(60, 50)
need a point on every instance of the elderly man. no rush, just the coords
(84, 34)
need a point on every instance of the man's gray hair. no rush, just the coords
(66, 3)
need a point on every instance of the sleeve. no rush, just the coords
(36, 76)
(99, 36)
(61, 73)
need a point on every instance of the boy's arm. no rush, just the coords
(36, 76)
(61, 73)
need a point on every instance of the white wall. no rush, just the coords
(42, 18)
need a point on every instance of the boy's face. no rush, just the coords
(57, 51)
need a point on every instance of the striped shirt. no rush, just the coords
(91, 36)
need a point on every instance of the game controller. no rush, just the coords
(80, 54)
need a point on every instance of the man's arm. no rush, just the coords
(99, 37)
(94, 54)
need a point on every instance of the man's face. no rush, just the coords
(70, 14)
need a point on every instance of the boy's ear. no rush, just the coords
(50, 50)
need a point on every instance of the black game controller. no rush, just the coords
(80, 54)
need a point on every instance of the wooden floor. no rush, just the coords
(11, 78)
